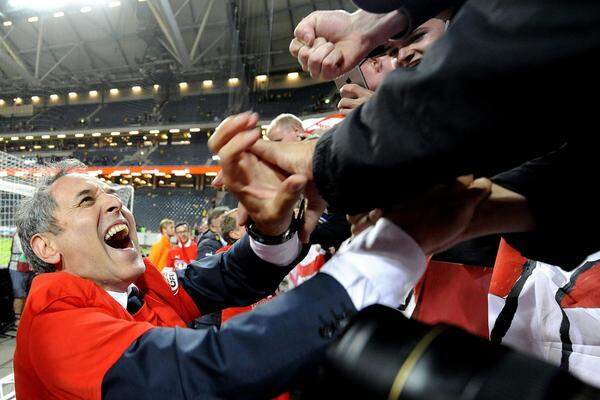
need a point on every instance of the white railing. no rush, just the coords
(7, 382)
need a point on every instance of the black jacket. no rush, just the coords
(208, 244)
(510, 81)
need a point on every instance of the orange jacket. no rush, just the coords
(159, 252)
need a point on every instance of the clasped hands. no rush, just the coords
(269, 178)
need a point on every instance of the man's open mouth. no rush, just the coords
(117, 237)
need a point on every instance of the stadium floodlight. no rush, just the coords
(113, 144)
(114, 91)
(115, 133)
(45, 136)
(2, 102)
(18, 100)
(28, 137)
(134, 132)
(261, 78)
(7, 23)
(93, 93)
(13, 138)
(183, 85)
(81, 145)
(207, 84)
(194, 129)
(78, 135)
(51, 146)
(86, 9)
(54, 97)
(156, 86)
(59, 14)
(22, 147)
(129, 143)
(174, 130)
(33, 19)
(233, 81)
(61, 136)
(37, 147)
(293, 76)
(327, 101)
(35, 99)
(136, 89)
(155, 131)
(113, 4)
(72, 95)
(96, 134)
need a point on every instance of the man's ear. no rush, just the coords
(44, 248)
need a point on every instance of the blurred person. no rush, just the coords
(211, 240)
(160, 250)
(285, 128)
(230, 229)
(102, 322)
(186, 249)
(19, 272)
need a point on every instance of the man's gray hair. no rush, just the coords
(36, 214)
(289, 120)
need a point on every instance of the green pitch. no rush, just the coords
(5, 243)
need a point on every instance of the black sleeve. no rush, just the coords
(207, 247)
(483, 100)
(558, 188)
(254, 356)
(235, 278)
(331, 231)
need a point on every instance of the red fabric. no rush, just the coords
(507, 269)
(223, 249)
(586, 292)
(310, 269)
(23, 266)
(71, 332)
(454, 294)
(186, 254)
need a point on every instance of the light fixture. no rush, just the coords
(233, 81)
(54, 97)
(33, 19)
(194, 129)
(45, 136)
(136, 89)
(93, 93)
(327, 101)
(293, 76)
(207, 84)
(156, 86)
(115, 133)
(96, 134)
(113, 4)
(2, 102)
(7, 23)
(113, 144)
(79, 135)
(61, 136)
(114, 91)
(134, 132)
(28, 137)
(261, 78)
(58, 14)
(13, 138)
(183, 85)
(51, 146)
(22, 147)
(174, 130)
(154, 131)
(80, 145)
(35, 99)
(129, 143)
(18, 100)
(72, 95)
(37, 147)
(86, 9)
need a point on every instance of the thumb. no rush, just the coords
(289, 193)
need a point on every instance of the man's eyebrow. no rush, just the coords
(84, 192)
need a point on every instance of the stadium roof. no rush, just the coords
(76, 44)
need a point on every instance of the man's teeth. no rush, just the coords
(116, 229)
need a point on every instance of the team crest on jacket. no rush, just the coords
(171, 278)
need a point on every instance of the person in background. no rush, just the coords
(185, 251)
(231, 230)
(286, 128)
(160, 249)
(211, 240)
(19, 271)
(406, 53)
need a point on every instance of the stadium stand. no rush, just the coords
(125, 113)
(104, 156)
(201, 108)
(179, 204)
(191, 154)
(62, 117)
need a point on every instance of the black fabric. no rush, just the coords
(7, 314)
(507, 314)
(333, 228)
(479, 252)
(254, 356)
(208, 244)
(508, 82)
(235, 278)
(134, 300)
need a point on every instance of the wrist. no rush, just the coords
(377, 28)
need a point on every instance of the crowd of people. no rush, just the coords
(464, 129)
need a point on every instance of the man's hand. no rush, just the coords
(267, 193)
(353, 95)
(295, 158)
(330, 43)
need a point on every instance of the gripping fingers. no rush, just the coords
(238, 143)
(230, 127)
(317, 55)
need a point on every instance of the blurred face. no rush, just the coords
(239, 231)
(375, 69)
(183, 233)
(286, 133)
(410, 52)
(169, 230)
(98, 239)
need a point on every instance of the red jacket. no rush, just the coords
(63, 357)
(181, 255)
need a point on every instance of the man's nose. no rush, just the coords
(112, 203)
